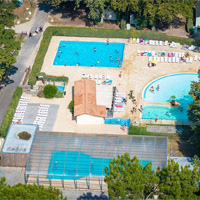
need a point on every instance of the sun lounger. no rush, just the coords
(98, 82)
(118, 106)
(107, 77)
(177, 60)
(191, 59)
(160, 43)
(187, 60)
(166, 43)
(166, 59)
(42, 115)
(43, 108)
(138, 52)
(158, 59)
(110, 82)
(118, 109)
(137, 41)
(44, 105)
(100, 76)
(195, 58)
(176, 54)
(23, 103)
(83, 76)
(21, 108)
(146, 41)
(86, 75)
(150, 59)
(18, 118)
(169, 59)
(20, 111)
(156, 42)
(161, 59)
(173, 59)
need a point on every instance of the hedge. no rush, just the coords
(95, 32)
(10, 112)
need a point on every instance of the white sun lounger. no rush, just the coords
(43, 108)
(187, 60)
(166, 59)
(42, 115)
(40, 118)
(173, 59)
(20, 111)
(156, 42)
(21, 108)
(180, 54)
(160, 43)
(23, 103)
(96, 76)
(176, 54)
(161, 59)
(137, 40)
(177, 60)
(158, 59)
(150, 59)
(191, 59)
(138, 52)
(99, 82)
(18, 118)
(169, 59)
(195, 58)
(90, 76)
(100, 76)
(166, 43)
(86, 75)
(44, 105)
(153, 53)
(83, 76)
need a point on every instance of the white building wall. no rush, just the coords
(89, 119)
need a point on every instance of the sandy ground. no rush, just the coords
(135, 76)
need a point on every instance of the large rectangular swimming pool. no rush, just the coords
(89, 54)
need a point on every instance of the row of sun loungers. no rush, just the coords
(170, 60)
(21, 109)
(100, 79)
(119, 102)
(41, 115)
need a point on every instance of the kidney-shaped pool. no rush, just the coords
(164, 88)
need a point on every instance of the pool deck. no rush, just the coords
(135, 76)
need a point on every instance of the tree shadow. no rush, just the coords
(90, 196)
(46, 8)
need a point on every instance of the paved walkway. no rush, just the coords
(163, 129)
(25, 59)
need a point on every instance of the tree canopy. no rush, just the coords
(8, 43)
(33, 192)
(128, 179)
(158, 13)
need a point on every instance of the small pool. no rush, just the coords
(61, 88)
(150, 112)
(118, 121)
(177, 85)
(75, 165)
(73, 53)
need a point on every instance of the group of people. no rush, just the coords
(152, 88)
(37, 30)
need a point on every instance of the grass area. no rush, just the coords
(177, 144)
(95, 32)
(22, 13)
(10, 112)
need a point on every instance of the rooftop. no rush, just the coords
(85, 99)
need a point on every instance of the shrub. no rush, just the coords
(123, 24)
(59, 94)
(71, 106)
(189, 25)
(53, 78)
(10, 112)
(24, 135)
(50, 91)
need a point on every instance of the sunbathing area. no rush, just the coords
(127, 92)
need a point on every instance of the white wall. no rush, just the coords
(89, 119)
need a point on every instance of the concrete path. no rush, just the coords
(25, 59)
(164, 129)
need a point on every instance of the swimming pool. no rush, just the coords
(75, 165)
(61, 88)
(177, 85)
(117, 121)
(73, 53)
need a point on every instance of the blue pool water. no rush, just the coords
(177, 85)
(71, 53)
(61, 88)
(118, 121)
(73, 166)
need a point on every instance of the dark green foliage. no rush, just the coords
(71, 106)
(8, 45)
(53, 78)
(59, 94)
(189, 26)
(24, 135)
(50, 91)
(94, 32)
(123, 24)
(178, 183)
(127, 179)
(33, 192)
(10, 112)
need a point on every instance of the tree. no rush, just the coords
(50, 91)
(127, 179)
(7, 47)
(178, 183)
(34, 192)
